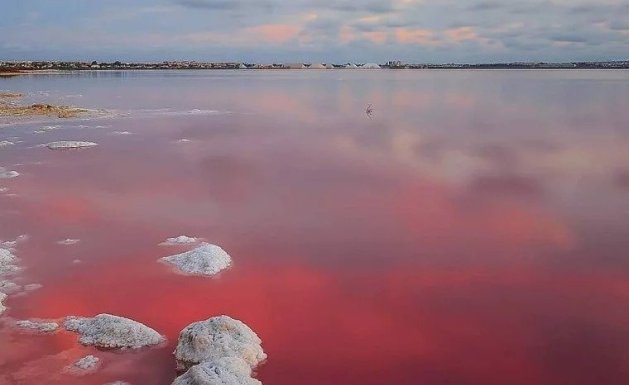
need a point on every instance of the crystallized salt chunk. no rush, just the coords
(109, 331)
(224, 371)
(67, 144)
(206, 259)
(216, 338)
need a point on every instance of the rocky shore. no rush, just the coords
(9, 108)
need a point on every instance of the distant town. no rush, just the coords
(23, 66)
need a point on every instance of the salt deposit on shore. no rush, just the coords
(69, 144)
(180, 240)
(109, 331)
(40, 327)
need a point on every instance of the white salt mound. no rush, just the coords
(118, 383)
(83, 366)
(5, 143)
(68, 144)
(225, 371)
(180, 240)
(41, 327)
(109, 331)
(216, 338)
(206, 259)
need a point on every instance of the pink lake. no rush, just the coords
(474, 230)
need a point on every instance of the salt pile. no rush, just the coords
(206, 259)
(69, 144)
(220, 350)
(109, 331)
(215, 338)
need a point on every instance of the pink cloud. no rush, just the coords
(462, 34)
(275, 33)
(416, 36)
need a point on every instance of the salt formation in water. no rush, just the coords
(13, 243)
(206, 259)
(8, 262)
(46, 129)
(5, 143)
(68, 242)
(8, 287)
(83, 366)
(220, 350)
(225, 371)
(41, 327)
(5, 174)
(2, 298)
(109, 331)
(33, 286)
(118, 383)
(216, 338)
(180, 240)
(68, 144)
(122, 133)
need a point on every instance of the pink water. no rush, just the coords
(475, 230)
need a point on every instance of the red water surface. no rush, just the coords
(457, 237)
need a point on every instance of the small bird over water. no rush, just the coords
(369, 111)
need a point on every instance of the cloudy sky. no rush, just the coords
(433, 31)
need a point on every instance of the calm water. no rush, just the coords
(475, 230)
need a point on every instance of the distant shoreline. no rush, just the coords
(8, 69)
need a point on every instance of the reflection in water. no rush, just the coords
(473, 232)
